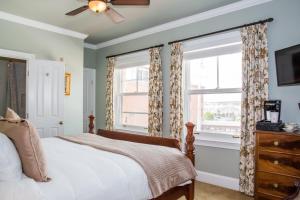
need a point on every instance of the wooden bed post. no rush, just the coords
(92, 124)
(190, 139)
(190, 153)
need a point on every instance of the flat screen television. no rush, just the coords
(288, 66)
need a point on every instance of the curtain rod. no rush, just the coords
(224, 30)
(121, 54)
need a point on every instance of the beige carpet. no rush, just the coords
(210, 192)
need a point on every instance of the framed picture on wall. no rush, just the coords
(68, 84)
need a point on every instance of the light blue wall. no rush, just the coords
(283, 32)
(90, 60)
(51, 46)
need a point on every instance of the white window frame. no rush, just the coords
(226, 44)
(128, 61)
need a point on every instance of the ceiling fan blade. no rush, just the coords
(77, 11)
(131, 2)
(114, 15)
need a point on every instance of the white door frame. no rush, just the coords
(22, 56)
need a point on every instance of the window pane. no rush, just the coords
(130, 119)
(128, 80)
(135, 79)
(216, 113)
(203, 73)
(143, 79)
(230, 71)
(135, 103)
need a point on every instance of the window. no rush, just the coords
(213, 80)
(131, 93)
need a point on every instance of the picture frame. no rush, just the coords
(68, 78)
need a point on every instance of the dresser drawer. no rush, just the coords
(279, 163)
(273, 184)
(261, 196)
(279, 142)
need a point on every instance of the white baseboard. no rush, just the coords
(218, 180)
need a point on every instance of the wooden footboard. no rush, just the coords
(174, 193)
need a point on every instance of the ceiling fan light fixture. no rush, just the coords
(97, 6)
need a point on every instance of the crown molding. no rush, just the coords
(16, 54)
(233, 7)
(90, 46)
(40, 25)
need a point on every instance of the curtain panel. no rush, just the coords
(176, 99)
(155, 101)
(254, 93)
(12, 90)
(109, 118)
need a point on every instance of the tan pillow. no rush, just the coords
(11, 114)
(28, 144)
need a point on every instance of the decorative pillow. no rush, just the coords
(10, 164)
(28, 144)
(10, 114)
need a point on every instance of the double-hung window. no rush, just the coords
(213, 79)
(131, 83)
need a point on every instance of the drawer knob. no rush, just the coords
(276, 162)
(276, 143)
(275, 185)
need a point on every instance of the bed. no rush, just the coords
(85, 173)
(186, 190)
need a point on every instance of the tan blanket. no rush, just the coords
(165, 167)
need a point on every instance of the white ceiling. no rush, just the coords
(98, 26)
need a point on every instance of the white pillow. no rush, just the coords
(10, 163)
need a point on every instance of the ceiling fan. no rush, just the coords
(100, 6)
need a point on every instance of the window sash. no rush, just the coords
(189, 91)
(137, 80)
(215, 91)
(187, 108)
(133, 94)
(118, 98)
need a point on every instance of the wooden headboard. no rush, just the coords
(161, 141)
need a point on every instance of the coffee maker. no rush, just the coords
(272, 109)
(272, 122)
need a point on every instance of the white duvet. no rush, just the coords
(83, 173)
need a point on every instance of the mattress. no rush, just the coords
(80, 172)
(83, 173)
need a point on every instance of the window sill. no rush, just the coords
(217, 140)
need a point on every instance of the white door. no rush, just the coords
(89, 90)
(45, 96)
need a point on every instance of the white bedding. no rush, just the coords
(82, 173)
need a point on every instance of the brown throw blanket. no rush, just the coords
(165, 167)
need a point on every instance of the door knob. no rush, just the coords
(61, 123)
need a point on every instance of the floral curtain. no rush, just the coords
(176, 99)
(109, 119)
(155, 93)
(254, 93)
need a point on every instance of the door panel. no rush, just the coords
(89, 90)
(46, 96)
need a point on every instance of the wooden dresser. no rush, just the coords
(277, 164)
